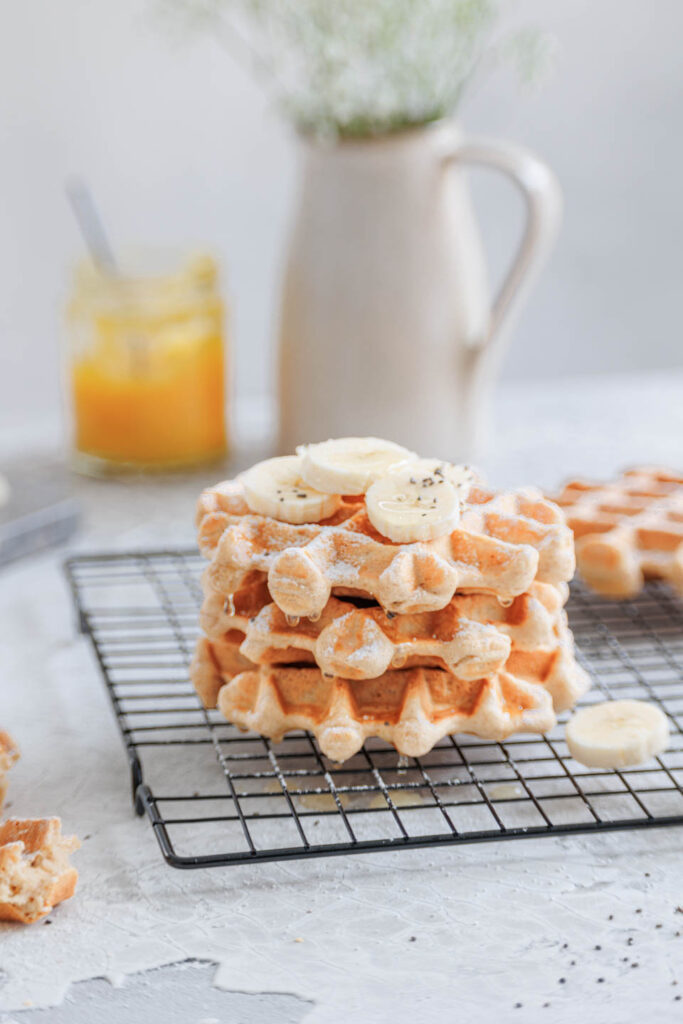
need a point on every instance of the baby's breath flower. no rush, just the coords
(361, 67)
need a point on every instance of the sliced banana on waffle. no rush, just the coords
(349, 465)
(276, 488)
(461, 477)
(617, 733)
(419, 501)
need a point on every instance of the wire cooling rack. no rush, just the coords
(216, 796)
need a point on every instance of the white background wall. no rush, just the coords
(180, 145)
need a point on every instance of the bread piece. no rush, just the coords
(8, 756)
(35, 874)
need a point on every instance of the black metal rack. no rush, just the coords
(216, 796)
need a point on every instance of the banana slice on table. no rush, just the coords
(276, 488)
(411, 504)
(349, 465)
(617, 733)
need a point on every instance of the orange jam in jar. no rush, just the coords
(146, 367)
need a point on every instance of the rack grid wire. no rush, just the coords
(218, 796)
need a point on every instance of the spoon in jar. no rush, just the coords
(101, 253)
(90, 225)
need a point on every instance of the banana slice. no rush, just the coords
(617, 733)
(462, 477)
(409, 504)
(276, 488)
(349, 465)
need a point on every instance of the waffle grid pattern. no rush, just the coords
(216, 796)
(627, 530)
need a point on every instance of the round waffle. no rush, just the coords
(409, 708)
(503, 543)
(628, 530)
(471, 637)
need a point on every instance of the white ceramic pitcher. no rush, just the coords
(387, 326)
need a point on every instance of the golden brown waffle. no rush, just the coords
(471, 637)
(8, 756)
(214, 663)
(503, 543)
(627, 531)
(35, 874)
(409, 708)
(554, 668)
(551, 666)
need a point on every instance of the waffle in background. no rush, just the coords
(627, 530)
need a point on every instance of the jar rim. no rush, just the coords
(150, 280)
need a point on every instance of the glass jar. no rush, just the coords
(146, 365)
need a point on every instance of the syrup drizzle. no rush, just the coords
(399, 658)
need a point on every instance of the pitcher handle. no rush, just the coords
(543, 197)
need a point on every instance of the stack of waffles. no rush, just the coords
(354, 591)
(627, 530)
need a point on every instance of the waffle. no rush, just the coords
(554, 668)
(409, 708)
(35, 874)
(550, 664)
(331, 627)
(471, 637)
(8, 756)
(214, 663)
(627, 531)
(503, 543)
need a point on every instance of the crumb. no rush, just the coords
(298, 940)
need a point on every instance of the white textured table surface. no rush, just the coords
(458, 933)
